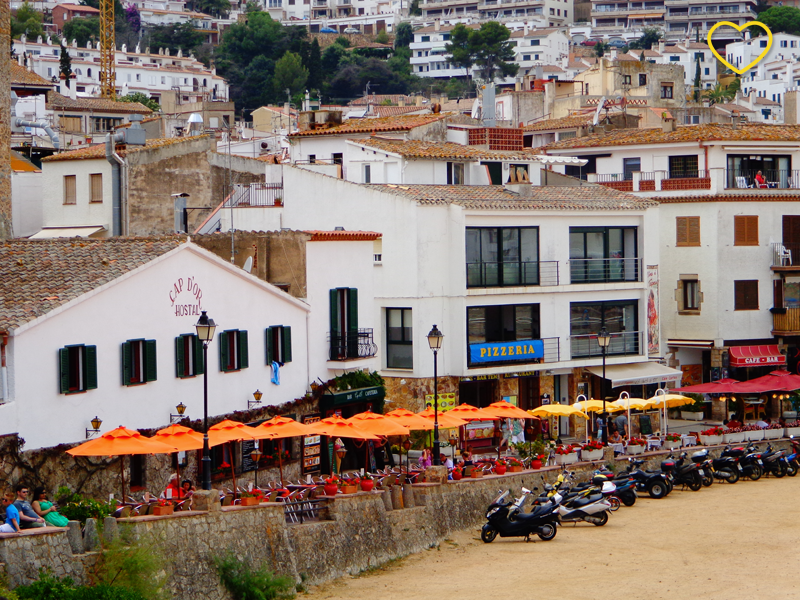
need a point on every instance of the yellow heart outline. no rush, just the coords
(739, 28)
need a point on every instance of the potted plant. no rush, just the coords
(792, 428)
(366, 482)
(636, 445)
(753, 433)
(500, 467)
(331, 486)
(457, 473)
(693, 412)
(566, 455)
(514, 465)
(162, 508)
(348, 486)
(251, 498)
(774, 431)
(711, 437)
(672, 441)
(537, 460)
(592, 450)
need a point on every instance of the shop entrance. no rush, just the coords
(480, 393)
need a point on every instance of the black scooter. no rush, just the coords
(506, 519)
(748, 461)
(723, 467)
(686, 473)
(655, 483)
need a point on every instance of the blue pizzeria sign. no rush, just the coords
(505, 351)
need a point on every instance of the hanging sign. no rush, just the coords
(530, 350)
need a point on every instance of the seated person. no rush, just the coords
(763, 423)
(613, 435)
(760, 181)
(46, 509)
(172, 490)
(734, 423)
(444, 460)
(466, 459)
(11, 524)
(28, 517)
(187, 488)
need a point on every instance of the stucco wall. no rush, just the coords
(26, 198)
(5, 125)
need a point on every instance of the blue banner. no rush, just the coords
(505, 351)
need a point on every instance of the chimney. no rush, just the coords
(526, 29)
(613, 54)
(661, 45)
(401, 101)
(437, 25)
(418, 101)
(667, 124)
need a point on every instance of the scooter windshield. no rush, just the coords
(501, 497)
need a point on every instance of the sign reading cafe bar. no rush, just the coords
(529, 350)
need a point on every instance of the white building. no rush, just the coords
(539, 47)
(554, 12)
(687, 54)
(106, 329)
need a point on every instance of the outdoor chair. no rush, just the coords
(741, 182)
(125, 512)
(227, 500)
(785, 256)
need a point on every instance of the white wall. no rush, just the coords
(26, 203)
(138, 306)
(57, 214)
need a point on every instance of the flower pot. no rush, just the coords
(635, 449)
(773, 434)
(537, 464)
(691, 416)
(710, 440)
(250, 501)
(457, 475)
(734, 438)
(795, 431)
(668, 445)
(566, 459)
(476, 473)
(596, 454)
(330, 489)
(500, 469)
(754, 436)
(367, 485)
(350, 489)
(160, 511)
(515, 469)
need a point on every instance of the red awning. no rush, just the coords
(753, 356)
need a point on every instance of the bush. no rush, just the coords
(49, 587)
(137, 565)
(246, 583)
(80, 509)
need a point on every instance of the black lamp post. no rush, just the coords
(256, 455)
(604, 339)
(205, 333)
(435, 339)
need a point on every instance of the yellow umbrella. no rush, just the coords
(630, 403)
(665, 401)
(557, 410)
(595, 406)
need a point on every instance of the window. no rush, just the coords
(666, 91)
(689, 294)
(707, 71)
(626, 80)
(138, 472)
(700, 56)
(762, 44)
(504, 256)
(425, 38)
(338, 158)
(367, 173)
(535, 42)
(312, 158)
(526, 57)
(642, 78)
(630, 166)
(620, 318)
(603, 254)
(279, 344)
(188, 356)
(70, 193)
(683, 166)
(688, 231)
(103, 124)
(455, 173)
(745, 230)
(745, 294)
(399, 339)
(138, 361)
(96, 187)
(504, 323)
(674, 58)
(784, 44)
(346, 339)
(233, 351)
(692, 119)
(77, 368)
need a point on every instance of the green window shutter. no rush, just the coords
(180, 356)
(244, 358)
(287, 344)
(150, 362)
(63, 369)
(199, 364)
(126, 363)
(223, 351)
(334, 302)
(270, 346)
(90, 366)
(352, 310)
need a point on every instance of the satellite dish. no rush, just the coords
(248, 264)
(195, 118)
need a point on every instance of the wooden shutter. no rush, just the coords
(682, 231)
(90, 367)
(70, 194)
(352, 310)
(745, 230)
(693, 231)
(126, 363)
(270, 346)
(180, 357)
(199, 359)
(96, 181)
(244, 359)
(777, 293)
(791, 229)
(334, 304)
(150, 362)
(287, 343)
(223, 351)
(63, 369)
(745, 294)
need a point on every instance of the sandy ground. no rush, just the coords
(724, 542)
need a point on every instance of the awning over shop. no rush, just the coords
(67, 232)
(753, 356)
(637, 374)
(690, 343)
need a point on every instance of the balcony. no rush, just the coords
(352, 345)
(776, 179)
(256, 195)
(605, 270)
(496, 274)
(786, 321)
(654, 181)
(785, 256)
(622, 344)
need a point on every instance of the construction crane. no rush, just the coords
(108, 73)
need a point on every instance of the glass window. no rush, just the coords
(603, 254)
(399, 339)
(620, 318)
(683, 166)
(503, 323)
(630, 166)
(691, 295)
(502, 256)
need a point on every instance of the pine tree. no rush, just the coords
(314, 65)
(697, 83)
(65, 64)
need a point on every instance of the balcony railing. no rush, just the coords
(786, 321)
(687, 180)
(624, 343)
(256, 194)
(352, 345)
(497, 274)
(780, 179)
(785, 254)
(604, 270)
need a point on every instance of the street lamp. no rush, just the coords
(255, 455)
(435, 339)
(205, 333)
(256, 401)
(96, 423)
(181, 408)
(604, 339)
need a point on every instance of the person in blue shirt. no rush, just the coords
(12, 515)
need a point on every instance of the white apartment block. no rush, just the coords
(688, 54)
(535, 47)
(557, 12)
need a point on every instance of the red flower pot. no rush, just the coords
(456, 475)
(500, 469)
(367, 485)
(330, 489)
(536, 464)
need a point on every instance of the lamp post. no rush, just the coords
(435, 339)
(256, 455)
(181, 408)
(205, 333)
(604, 339)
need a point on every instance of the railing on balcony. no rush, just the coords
(785, 254)
(693, 179)
(552, 350)
(256, 194)
(623, 343)
(351, 345)
(604, 270)
(786, 321)
(615, 181)
(497, 274)
(780, 179)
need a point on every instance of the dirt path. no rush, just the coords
(726, 542)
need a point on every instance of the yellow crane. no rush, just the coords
(108, 73)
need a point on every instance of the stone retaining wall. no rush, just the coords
(358, 532)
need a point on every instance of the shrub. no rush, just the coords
(80, 509)
(49, 587)
(137, 565)
(246, 583)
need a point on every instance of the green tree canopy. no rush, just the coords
(648, 39)
(141, 99)
(459, 48)
(403, 35)
(65, 64)
(779, 18)
(494, 54)
(382, 37)
(719, 94)
(82, 29)
(600, 48)
(290, 74)
(26, 20)
(174, 36)
(213, 7)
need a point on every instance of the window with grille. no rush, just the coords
(688, 231)
(683, 166)
(666, 91)
(70, 190)
(745, 230)
(96, 187)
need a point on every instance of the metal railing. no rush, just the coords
(780, 179)
(256, 194)
(351, 345)
(623, 343)
(498, 274)
(604, 270)
(689, 179)
(784, 254)
(300, 511)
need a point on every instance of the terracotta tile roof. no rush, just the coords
(21, 77)
(552, 69)
(416, 149)
(79, 8)
(99, 150)
(674, 50)
(401, 123)
(393, 111)
(38, 276)
(147, 120)
(56, 101)
(627, 57)
(732, 107)
(647, 53)
(696, 46)
(753, 132)
(766, 101)
(767, 195)
(343, 236)
(495, 197)
(380, 98)
(562, 123)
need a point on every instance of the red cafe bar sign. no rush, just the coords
(185, 297)
(748, 356)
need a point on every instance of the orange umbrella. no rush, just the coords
(406, 418)
(278, 428)
(446, 421)
(471, 413)
(506, 410)
(336, 426)
(121, 442)
(378, 424)
(230, 431)
(184, 439)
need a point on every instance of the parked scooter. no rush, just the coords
(686, 473)
(774, 462)
(793, 459)
(578, 506)
(506, 519)
(748, 461)
(655, 483)
(625, 484)
(723, 467)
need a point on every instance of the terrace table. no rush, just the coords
(688, 440)
(653, 444)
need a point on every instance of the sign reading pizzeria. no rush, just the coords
(527, 351)
(186, 297)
